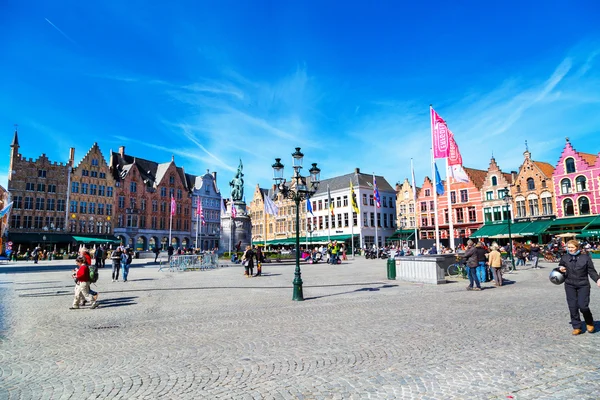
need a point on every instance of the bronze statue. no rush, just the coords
(237, 184)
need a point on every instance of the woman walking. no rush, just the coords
(577, 266)
(248, 261)
(495, 260)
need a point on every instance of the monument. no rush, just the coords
(236, 223)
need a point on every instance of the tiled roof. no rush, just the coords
(590, 159)
(546, 168)
(477, 176)
(508, 178)
(358, 180)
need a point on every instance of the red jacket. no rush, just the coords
(88, 258)
(83, 274)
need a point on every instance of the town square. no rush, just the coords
(299, 200)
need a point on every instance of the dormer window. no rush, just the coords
(171, 180)
(494, 181)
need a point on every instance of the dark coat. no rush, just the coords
(578, 267)
(481, 252)
(470, 257)
(249, 256)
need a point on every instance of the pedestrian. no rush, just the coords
(495, 261)
(470, 257)
(170, 251)
(534, 252)
(259, 260)
(481, 261)
(521, 254)
(577, 266)
(126, 259)
(116, 263)
(248, 261)
(344, 257)
(82, 285)
(36, 255)
(156, 252)
(99, 255)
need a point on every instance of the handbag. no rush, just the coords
(245, 263)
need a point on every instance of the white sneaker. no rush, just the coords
(113, 280)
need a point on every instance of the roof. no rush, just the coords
(477, 176)
(547, 169)
(151, 172)
(15, 141)
(358, 180)
(590, 159)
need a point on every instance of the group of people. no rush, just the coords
(250, 254)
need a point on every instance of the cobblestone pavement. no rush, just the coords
(215, 334)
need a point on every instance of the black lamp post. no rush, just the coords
(297, 190)
(508, 200)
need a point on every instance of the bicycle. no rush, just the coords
(550, 256)
(457, 269)
(507, 266)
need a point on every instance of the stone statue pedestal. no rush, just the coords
(235, 230)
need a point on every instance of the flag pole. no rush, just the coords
(450, 213)
(328, 214)
(412, 169)
(375, 204)
(197, 214)
(434, 191)
(200, 228)
(265, 226)
(170, 223)
(230, 227)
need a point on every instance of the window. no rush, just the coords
(431, 205)
(581, 183)
(121, 201)
(546, 206)
(163, 192)
(530, 184)
(494, 181)
(163, 206)
(520, 208)
(60, 205)
(38, 222)
(345, 201)
(132, 202)
(372, 219)
(472, 214)
(109, 209)
(84, 188)
(568, 207)
(339, 220)
(584, 205)
(502, 193)
(39, 203)
(93, 189)
(534, 207)
(385, 225)
(320, 205)
(371, 201)
(453, 197)
(95, 162)
(570, 165)
(446, 216)
(102, 176)
(15, 221)
(424, 220)
(94, 174)
(497, 214)
(74, 187)
(565, 186)
(364, 196)
(50, 205)
(460, 216)
(154, 206)
(30, 186)
(28, 203)
(143, 204)
(411, 208)
(346, 220)
(489, 195)
(133, 187)
(27, 221)
(487, 214)
(17, 202)
(41, 187)
(464, 196)
(84, 172)
(320, 222)
(100, 209)
(83, 207)
(180, 193)
(423, 206)
(51, 188)
(153, 222)
(41, 173)
(92, 208)
(109, 191)
(402, 208)
(384, 201)
(172, 180)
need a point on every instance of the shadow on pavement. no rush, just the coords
(116, 302)
(374, 289)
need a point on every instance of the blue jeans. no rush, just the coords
(481, 272)
(473, 277)
(125, 272)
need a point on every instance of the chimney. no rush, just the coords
(122, 151)
(357, 170)
(72, 155)
(513, 176)
(214, 174)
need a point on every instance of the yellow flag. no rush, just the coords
(353, 199)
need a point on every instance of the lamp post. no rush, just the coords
(508, 200)
(297, 189)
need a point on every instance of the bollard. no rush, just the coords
(391, 269)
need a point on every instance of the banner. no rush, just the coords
(454, 157)
(270, 207)
(309, 208)
(376, 193)
(353, 201)
(439, 131)
(233, 210)
(173, 205)
(458, 173)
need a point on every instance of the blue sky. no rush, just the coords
(348, 82)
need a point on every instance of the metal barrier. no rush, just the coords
(191, 262)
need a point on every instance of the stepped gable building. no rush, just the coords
(493, 190)
(4, 195)
(406, 216)
(143, 193)
(576, 182)
(467, 207)
(262, 223)
(204, 189)
(39, 190)
(91, 198)
(426, 211)
(532, 190)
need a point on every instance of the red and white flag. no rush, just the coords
(455, 161)
(440, 136)
(233, 210)
(199, 210)
(173, 205)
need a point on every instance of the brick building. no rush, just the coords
(426, 212)
(39, 191)
(406, 213)
(493, 191)
(142, 210)
(204, 189)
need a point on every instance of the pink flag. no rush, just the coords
(454, 157)
(439, 130)
(233, 210)
(199, 210)
(173, 205)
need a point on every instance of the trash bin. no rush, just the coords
(391, 268)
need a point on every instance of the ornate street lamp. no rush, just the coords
(298, 189)
(508, 200)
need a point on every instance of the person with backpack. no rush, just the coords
(126, 260)
(82, 285)
(116, 264)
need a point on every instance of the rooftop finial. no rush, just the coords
(17, 128)
(526, 146)
(567, 139)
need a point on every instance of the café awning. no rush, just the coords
(98, 239)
